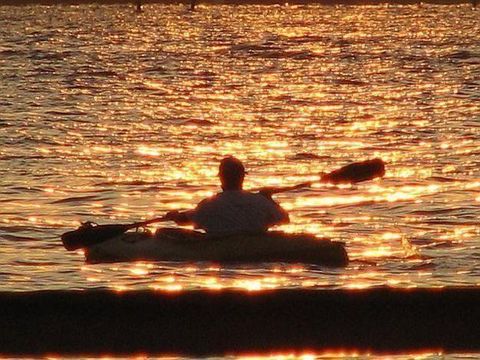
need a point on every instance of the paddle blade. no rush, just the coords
(88, 235)
(356, 172)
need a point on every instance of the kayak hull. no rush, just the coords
(191, 246)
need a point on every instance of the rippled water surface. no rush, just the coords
(114, 116)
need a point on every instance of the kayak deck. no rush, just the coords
(191, 246)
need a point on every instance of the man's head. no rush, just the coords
(231, 172)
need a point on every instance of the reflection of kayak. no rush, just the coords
(177, 245)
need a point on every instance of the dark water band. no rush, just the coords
(201, 323)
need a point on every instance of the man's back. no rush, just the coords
(236, 212)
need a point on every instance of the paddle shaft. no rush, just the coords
(148, 222)
(278, 190)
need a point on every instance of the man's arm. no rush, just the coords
(282, 217)
(278, 214)
(180, 217)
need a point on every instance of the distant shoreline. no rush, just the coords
(236, 2)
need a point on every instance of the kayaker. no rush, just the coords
(234, 210)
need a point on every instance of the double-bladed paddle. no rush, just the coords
(89, 233)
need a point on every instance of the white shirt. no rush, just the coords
(236, 212)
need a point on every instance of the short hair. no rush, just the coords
(231, 171)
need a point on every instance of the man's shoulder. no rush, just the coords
(242, 196)
(238, 194)
(232, 196)
(209, 199)
(253, 198)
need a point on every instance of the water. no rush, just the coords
(112, 116)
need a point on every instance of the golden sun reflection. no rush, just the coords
(212, 284)
(380, 251)
(120, 288)
(254, 285)
(167, 288)
(139, 272)
(148, 151)
(358, 285)
(377, 193)
(335, 354)
(391, 236)
(295, 269)
(286, 356)
(155, 151)
(205, 278)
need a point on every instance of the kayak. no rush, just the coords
(192, 246)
